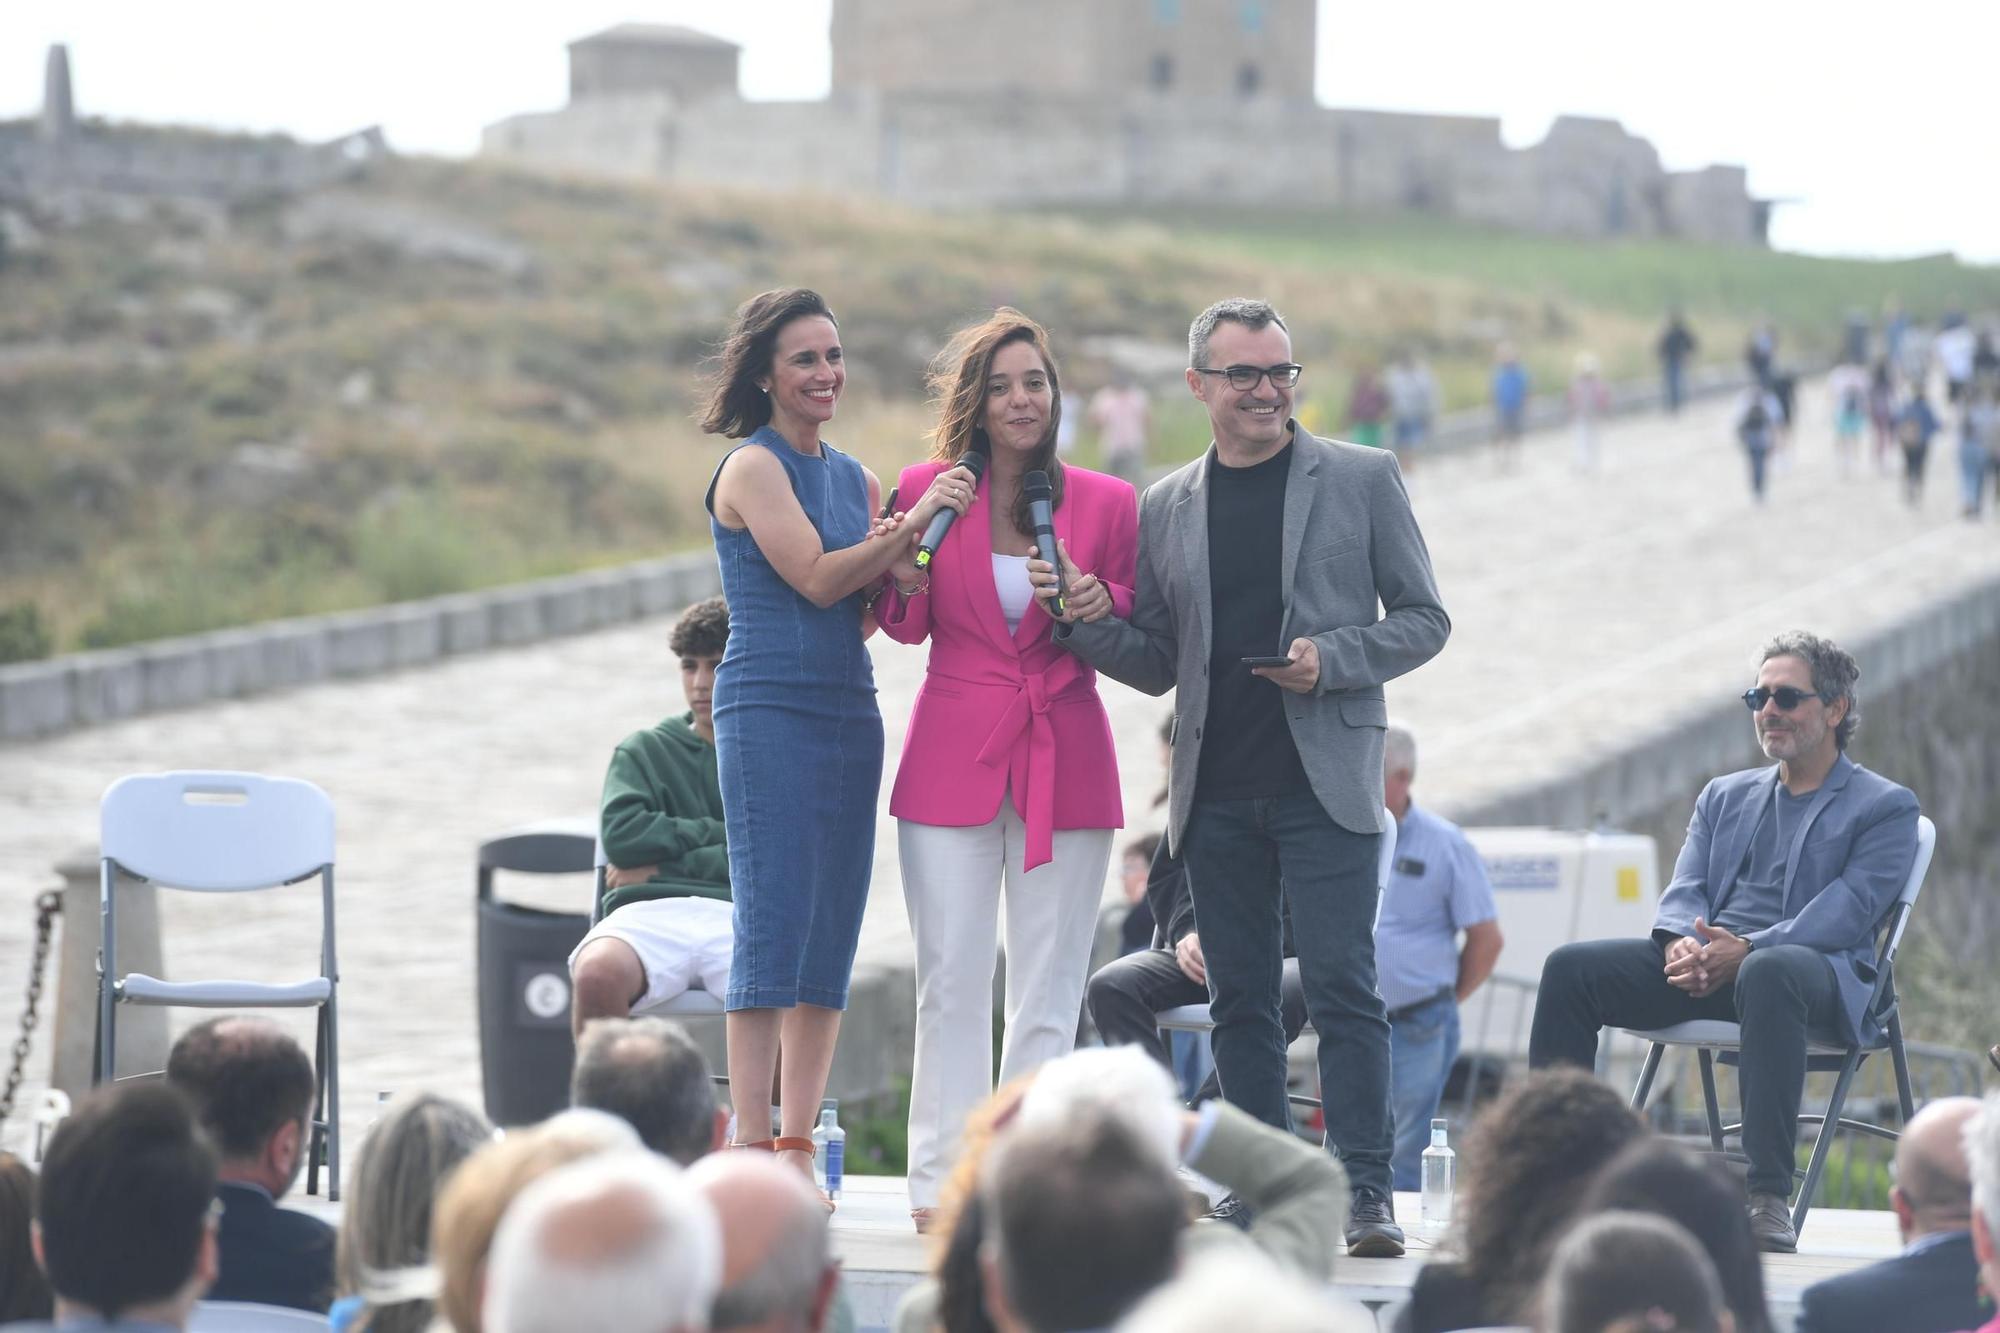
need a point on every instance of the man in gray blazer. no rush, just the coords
(1303, 553)
(1770, 918)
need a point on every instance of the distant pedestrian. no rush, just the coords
(1677, 344)
(1913, 355)
(1978, 442)
(1589, 400)
(1916, 424)
(1882, 410)
(1847, 386)
(1367, 408)
(1413, 404)
(1510, 404)
(1123, 415)
(1756, 430)
(1985, 356)
(1955, 348)
(1854, 338)
(1760, 354)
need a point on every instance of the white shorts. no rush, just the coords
(683, 944)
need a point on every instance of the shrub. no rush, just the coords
(23, 636)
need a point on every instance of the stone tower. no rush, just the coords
(58, 104)
(1100, 50)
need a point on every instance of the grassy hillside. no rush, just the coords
(449, 375)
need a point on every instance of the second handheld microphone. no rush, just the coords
(1036, 487)
(973, 461)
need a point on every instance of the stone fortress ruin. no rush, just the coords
(67, 164)
(1049, 102)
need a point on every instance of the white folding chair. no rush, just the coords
(249, 1317)
(1196, 1017)
(223, 833)
(1715, 1038)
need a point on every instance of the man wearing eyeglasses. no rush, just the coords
(1770, 919)
(1261, 568)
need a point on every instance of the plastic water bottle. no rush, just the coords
(1440, 1172)
(829, 1148)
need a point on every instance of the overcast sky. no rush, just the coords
(1878, 119)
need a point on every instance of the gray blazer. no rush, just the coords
(1358, 583)
(1843, 871)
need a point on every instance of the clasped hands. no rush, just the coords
(1703, 963)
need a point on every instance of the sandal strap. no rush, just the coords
(792, 1144)
(758, 1145)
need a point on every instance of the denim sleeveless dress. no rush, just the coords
(798, 741)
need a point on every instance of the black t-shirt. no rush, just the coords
(1246, 746)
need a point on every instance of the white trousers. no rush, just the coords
(952, 884)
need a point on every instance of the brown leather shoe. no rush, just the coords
(1771, 1224)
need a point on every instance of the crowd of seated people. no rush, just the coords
(1071, 1211)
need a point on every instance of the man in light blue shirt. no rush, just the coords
(1437, 889)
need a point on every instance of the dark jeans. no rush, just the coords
(1676, 379)
(1779, 995)
(1248, 861)
(1127, 992)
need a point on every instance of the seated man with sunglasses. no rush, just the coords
(1770, 919)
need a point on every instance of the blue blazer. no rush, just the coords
(1935, 1290)
(1847, 864)
(271, 1255)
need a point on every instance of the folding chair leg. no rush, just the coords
(1901, 1059)
(1708, 1096)
(1646, 1073)
(1823, 1146)
(316, 1137)
(333, 1096)
(107, 988)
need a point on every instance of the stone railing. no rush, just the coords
(83, 689)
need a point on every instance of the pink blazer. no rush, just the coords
(996, 708)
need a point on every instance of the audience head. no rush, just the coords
(1084, 1218)
(1136, 867)
(778, 1270)
(1210, 1294)
(24, 1292)
(1701, 1196)
(649, 1073)
(253, 1087)
(1982, 1150)
(1632, 1273)
(1933, 1190)
(472, 1202)
(1399, 765)
(1119, 1081)
(384, 1249)
(961, 1217)
(1528, 1160)
(616, 1243)
(124, 1223)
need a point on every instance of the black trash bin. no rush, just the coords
(525, 1050)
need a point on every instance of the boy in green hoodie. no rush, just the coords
(666, 922)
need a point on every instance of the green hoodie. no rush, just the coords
(663, 807)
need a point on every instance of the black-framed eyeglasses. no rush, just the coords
(1787, 696)
(1246, 377)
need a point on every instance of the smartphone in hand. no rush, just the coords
(1281, 660)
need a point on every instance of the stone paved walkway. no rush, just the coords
(1587, 609)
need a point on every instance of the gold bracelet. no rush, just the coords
(923, 586)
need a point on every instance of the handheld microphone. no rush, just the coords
(973, 461)
(1036, 487)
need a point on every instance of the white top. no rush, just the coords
(1010, 580)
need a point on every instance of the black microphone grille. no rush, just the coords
(974, 461)
(1036, 485)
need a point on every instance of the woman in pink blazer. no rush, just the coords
(1008, 774)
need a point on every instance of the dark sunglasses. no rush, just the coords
(1246, 377)
(1788, 698)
